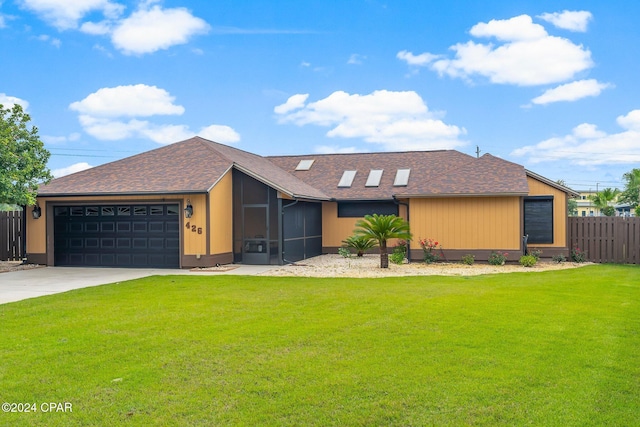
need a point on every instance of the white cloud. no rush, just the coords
(65, 14)
(96, 28)
(150, 30)
(220, 133)
(569, 20)
(586, 145)
(423, 59)
(356, 59)
(293, 103)
(76, 167)
(134, 101)
(49, 139)
(514, 29)
(396, 120)
(9, 101)
(571, 91)
(525, 55)
(112, 114)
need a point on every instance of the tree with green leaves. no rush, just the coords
(381, 228)
(631, 193)
(572, 204)
(23, 158)
(603, 200)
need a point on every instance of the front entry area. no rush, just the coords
(122, 235)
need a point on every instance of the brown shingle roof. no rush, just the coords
(433, 173)
(191, 166)
(195, 165)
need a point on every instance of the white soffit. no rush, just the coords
(402, 178)
(375, 175)
(305, 164)
(347, 178)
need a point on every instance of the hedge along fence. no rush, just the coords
(11, 236)
(607, 239)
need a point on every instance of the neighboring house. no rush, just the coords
(586, 207)
(199, 203)
(585, 204)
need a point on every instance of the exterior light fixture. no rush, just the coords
(36, 212)
(188, 211)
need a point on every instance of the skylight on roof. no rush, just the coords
(347, 179)
(402, 178)
(375, 175)
(305, 165)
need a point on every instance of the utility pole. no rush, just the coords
(477, 151)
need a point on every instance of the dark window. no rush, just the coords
(124, 210)
(360, 209)
(538, 219)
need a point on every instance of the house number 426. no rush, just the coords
(193, 228)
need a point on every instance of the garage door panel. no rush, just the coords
(107, 236)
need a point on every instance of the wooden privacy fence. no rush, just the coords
(11, 236)
(607, 239)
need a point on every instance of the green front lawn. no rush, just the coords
(550, 349)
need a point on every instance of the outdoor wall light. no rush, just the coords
(188, 211)
(36, 212)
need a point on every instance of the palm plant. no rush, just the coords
(360, 243)
(381, 228)
(602, 200)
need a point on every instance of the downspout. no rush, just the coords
(281, 231)
(398, 202)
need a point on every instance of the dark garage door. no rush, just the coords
(136, 235)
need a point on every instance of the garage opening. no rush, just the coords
(122, 235)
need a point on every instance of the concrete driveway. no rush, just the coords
(36, 282)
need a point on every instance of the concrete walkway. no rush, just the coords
(32, 283)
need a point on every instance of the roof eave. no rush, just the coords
(569, 191)
(132, 193)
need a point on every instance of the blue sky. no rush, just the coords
(551, 85)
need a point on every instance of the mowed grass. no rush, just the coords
(555, 349)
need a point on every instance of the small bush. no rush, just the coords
(344, 252)
(578, 255)
(528, 260)
(468, 259)
(429, 247)
(397, 257)
(360, 244)
(498, 258)
(560, 258)
(535, 253)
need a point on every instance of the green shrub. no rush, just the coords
(535, 253)
(360, 243)
(528, 260)
(397, 257)
(468, 259)
(344, 252)
(578, 255)
(429, 247)
(560, 258)
(498, 258)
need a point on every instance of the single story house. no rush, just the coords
(198, 203)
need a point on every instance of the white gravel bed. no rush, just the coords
(334, 265)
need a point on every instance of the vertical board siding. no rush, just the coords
(607, 239)
(11, 236)
(468, 222)
(221, 219)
